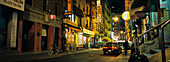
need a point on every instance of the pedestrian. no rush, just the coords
(126, 46)
(132, 49)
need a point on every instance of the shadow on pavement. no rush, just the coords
(110, 55)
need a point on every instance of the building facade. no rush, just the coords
(107, 19)
(34, 29)
(83, 18)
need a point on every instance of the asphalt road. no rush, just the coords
(95, 55)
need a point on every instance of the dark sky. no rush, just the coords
(118, 5)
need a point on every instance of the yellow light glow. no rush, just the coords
(126, 15)
(121, 32)
(116, 18)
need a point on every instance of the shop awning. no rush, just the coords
(77, 11)
(108, 39)
(87, 35)
(73, 27)
(97, 34)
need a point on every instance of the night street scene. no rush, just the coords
(84, 30)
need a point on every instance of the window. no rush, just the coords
(79, 4)
(29, 2)
(87, 24)
(83, 7)
(80, 21)
(44, 5)
(87, 10)
(57, 10)
(90, 23)
(112, 23)
(113, 28)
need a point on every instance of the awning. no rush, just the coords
(77, 11)
(132, 12)
(73, 27)
(138, 3)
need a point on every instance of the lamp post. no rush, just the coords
(115, 18)
(126, 17)
(54, 18)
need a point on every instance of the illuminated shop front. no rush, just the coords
(87, 38)
(72, 35)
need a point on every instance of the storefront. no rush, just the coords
(87, 38)
(37, 31)
(9, 17)
(71, 34)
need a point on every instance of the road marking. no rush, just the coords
(115, 58)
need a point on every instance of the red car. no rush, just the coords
(112, 47)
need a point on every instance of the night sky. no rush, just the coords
(118, 5)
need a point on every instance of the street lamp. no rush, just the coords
(115, 18)
(121, 32)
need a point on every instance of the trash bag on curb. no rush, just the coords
(138, 58)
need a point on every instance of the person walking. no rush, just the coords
(126, 46)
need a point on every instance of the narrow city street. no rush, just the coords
(95, 55)
(84, 30)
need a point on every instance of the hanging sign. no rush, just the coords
(17, 4)
(52, 17)
(154, 18)
(126, 15)
(163, 3)
(140, 14)
(14, 30)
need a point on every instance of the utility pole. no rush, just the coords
(53, 17)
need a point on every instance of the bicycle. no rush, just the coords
(66, 48)
(54, 50)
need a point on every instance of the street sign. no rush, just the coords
(126, 15)
(163, 3)
(52, 17)
(154, 18)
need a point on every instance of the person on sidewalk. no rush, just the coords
(132, 49)
(126, 46)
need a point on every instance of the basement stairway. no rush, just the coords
(153, 52)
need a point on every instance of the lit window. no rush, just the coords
(112, 23)
(65, 10)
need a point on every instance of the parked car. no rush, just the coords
(121, 45)
(112, 47)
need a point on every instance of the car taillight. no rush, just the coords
(105, 47)
(114, 47)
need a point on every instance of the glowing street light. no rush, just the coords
(115, 18)
(121, 31)
(126, 15)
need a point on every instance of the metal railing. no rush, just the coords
(160, 37)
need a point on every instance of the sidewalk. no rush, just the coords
(122, 57)
(7, 57)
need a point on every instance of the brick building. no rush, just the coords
(35, 31)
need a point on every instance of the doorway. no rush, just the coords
(28, 36)
(44, 37)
